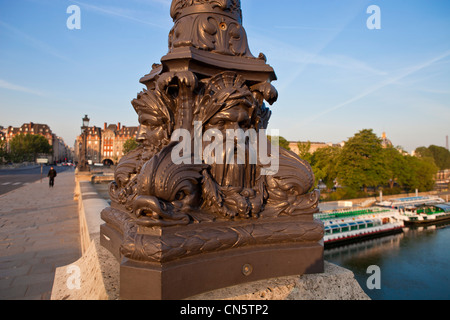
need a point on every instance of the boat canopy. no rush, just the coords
(343, 225)
(402, 202)
(444, 207)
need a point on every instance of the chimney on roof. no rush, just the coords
(105, 125)
(118, 126)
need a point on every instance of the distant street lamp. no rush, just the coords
(84, 127)
(85, 123)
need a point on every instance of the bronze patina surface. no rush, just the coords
(187, 227)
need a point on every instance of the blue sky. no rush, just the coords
(335, 76)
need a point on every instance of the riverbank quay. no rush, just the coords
(367, 202)
(39, 232)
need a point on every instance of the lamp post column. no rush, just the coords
(85, 126)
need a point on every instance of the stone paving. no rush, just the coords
(39, 231)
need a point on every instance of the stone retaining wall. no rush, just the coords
(95, 275)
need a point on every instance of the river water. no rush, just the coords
(414, 265)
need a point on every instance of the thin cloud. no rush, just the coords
(436, 91)
(167, 3)
(303, 28)
(40, 45)
(10, 86)
(338, 61)
(118, 12)
(391, 80)
(315, 56)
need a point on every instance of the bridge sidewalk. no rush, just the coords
(39, 231)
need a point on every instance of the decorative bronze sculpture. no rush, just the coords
(192, 214)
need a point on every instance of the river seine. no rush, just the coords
(414, 265)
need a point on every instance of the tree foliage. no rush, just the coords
(361, 162)
(364, 163)
(304, 151)
(282, 142)
(27, 147)
(395, 166)
(324, 165)
(129, 145)
(3, 153)
(418, 174)
(440, 155)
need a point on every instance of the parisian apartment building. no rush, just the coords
(105, 144)
(61, 151)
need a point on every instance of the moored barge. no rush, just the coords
(342, 226)
(419, 210)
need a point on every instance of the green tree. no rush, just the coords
(3, 153)
(129, 145)
(324, 165)
(418, 174)
(395, 165)
(304, 151)
(27, 147)
(424, 153)
(282, 142)
(426, 173)
(441, 156)
(361, 162)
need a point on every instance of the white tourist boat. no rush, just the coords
(419, 210)
(399, 203)
(361, 223)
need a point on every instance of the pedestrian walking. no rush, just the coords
(51, 177)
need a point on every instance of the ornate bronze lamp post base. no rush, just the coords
(191, 213)
(180, 262)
